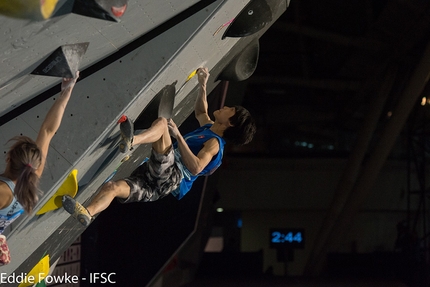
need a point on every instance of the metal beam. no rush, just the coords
(324, 84)
(373, 165)
(354, 163)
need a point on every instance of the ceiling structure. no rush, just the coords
(323, 65)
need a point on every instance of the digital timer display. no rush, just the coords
(287, 237)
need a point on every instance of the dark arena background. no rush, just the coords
(332, 191)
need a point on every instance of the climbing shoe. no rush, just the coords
(77, 210)
(127, 133)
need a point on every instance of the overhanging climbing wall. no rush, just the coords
(126, 64)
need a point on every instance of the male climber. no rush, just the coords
(172, 168)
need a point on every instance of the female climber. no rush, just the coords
(26, 159)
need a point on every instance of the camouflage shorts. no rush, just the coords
(154, 179)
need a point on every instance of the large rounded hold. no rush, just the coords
(243, 65)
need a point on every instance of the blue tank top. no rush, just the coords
(195, 141)
(12, 211)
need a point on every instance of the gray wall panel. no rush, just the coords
(89, 132)
(89, 121)
(29, 43)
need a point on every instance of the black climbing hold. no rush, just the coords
(110, 10)
(63, 62)
(250, 20)
(167, 101)
(152, 110)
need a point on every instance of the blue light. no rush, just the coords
(239, 223)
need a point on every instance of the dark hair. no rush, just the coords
(24, 158)
(243, 128)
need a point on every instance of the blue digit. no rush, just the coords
(298, 237)
(289, 237)
(276, 237)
